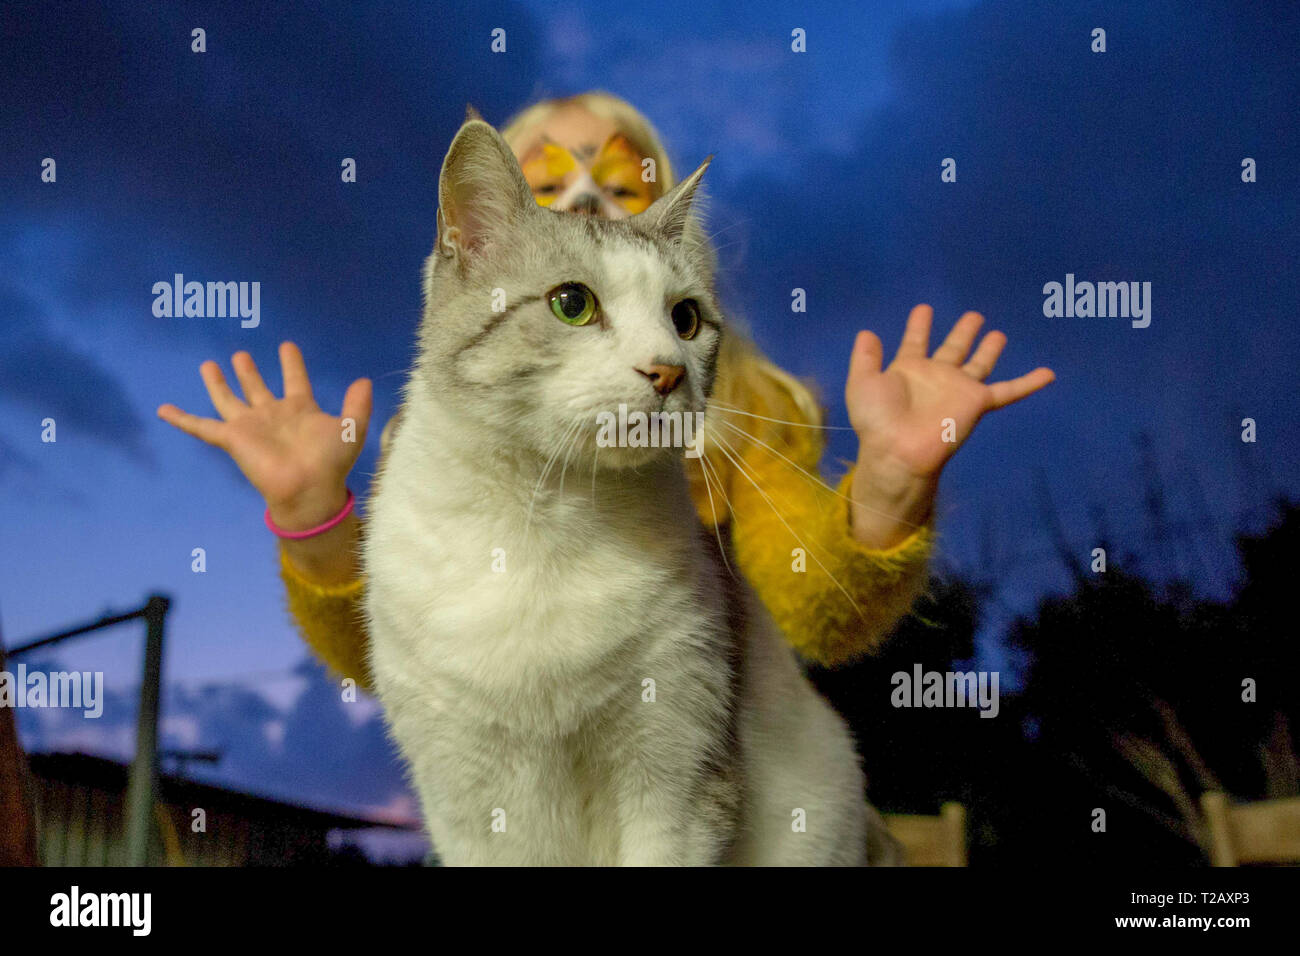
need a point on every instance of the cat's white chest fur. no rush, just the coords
(551, 611)
(538, 671)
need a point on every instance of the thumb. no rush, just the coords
(865, 361)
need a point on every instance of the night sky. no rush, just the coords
(1118, 166)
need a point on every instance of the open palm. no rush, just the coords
(901, 413)
(291, 450)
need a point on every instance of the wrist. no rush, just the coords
(308, 510)
(888, 504)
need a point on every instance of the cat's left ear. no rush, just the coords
(670, 213)
(481, 191)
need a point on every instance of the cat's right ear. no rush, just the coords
(481, 192)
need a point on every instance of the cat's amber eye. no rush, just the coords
(686, 318)
(573, 303)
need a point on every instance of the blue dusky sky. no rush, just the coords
(1117, 166)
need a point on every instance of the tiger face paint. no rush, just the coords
(605, 182)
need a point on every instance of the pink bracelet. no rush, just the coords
(312, 532)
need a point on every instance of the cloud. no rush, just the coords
(48, 375)
(313, 751)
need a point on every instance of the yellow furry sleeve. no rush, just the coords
(329, 620)
(833, 598)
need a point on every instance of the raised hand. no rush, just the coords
(899, 414)
(296, 455)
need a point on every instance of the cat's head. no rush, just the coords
(538, 322)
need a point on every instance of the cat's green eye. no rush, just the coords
(686, 318)
(573, 303)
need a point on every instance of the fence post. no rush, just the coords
(142, 789)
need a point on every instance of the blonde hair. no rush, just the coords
(746, 379)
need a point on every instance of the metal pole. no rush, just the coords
(103, 622)
(141, 793)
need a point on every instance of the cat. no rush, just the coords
(568, 666)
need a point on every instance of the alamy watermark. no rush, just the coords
(212, 300)
(133, 911)
(1085, 300)
(651, 430)
(922, 688)
(82, 690)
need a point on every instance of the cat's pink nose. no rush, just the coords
(664, 378)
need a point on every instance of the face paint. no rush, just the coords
(611, 186)
(546, 168)
(618, 170)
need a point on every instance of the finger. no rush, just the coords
(864, 362)
(916, 336)
(250, 379)
(981, 363)
(957, 345)
(294, 371)
(1013, 390)
(357, 404)
(225, 401)
(205, 429)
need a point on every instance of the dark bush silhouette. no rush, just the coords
(1136, 699)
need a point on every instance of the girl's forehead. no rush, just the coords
(577, 130)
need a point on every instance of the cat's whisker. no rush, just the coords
(567, 446)
(719, 414)
(725, 448)
(779, 421)
(711, 468)
(717, 522)
(816, 478)
(720, 248)
(773, 501)
(735, 224)
(560, 446)
(735, 450)
(789, 461)
(727, 409)
(708, 488)
(546, 470)
(574, 437)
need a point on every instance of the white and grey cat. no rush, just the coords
(568, 668)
